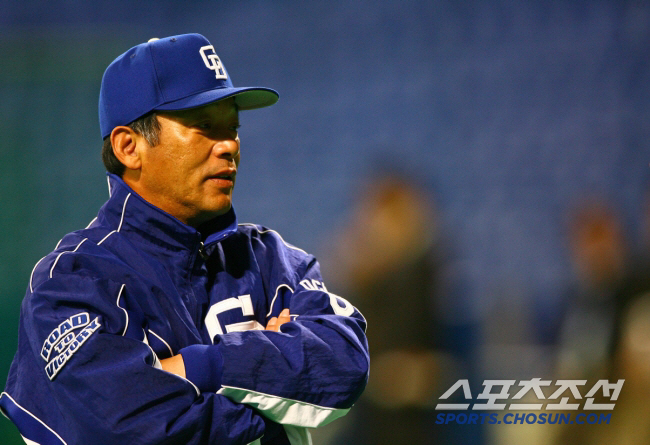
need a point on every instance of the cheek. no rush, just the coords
(175, 157)
(165, 167)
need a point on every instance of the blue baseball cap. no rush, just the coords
(173, 73)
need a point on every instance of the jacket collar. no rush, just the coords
(133, 215)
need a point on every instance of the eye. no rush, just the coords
(204, 125)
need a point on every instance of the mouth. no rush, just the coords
(224, 178)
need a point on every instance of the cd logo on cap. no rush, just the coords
(212, 62)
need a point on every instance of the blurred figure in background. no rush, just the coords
(606, 333)
(387, 259)
(600, 260)
(610, 274)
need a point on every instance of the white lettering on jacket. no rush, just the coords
(58, 339)
(57, 363)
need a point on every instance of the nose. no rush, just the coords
(226, 148)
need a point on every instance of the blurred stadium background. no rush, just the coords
(485, 162)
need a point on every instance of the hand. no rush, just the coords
(275, 322)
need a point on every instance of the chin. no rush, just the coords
(220, 209)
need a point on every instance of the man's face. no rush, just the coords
(191, 172)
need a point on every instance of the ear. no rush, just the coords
(127, 147)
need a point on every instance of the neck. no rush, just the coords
(133, 180)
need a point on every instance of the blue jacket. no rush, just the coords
(137, 286)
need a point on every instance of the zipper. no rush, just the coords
(193, 305)
(202, 251)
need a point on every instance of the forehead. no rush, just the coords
(224, 109)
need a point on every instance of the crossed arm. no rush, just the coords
(175, 364)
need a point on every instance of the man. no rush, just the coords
(164, 321)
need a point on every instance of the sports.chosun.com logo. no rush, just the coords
(531, 391)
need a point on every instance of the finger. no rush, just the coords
(174, 364)
(272, 324)
(284, 317)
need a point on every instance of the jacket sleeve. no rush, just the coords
(83, 371)
(309, 373)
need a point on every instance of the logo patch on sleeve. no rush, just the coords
(64, 341)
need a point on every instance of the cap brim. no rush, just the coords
(246, 98)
